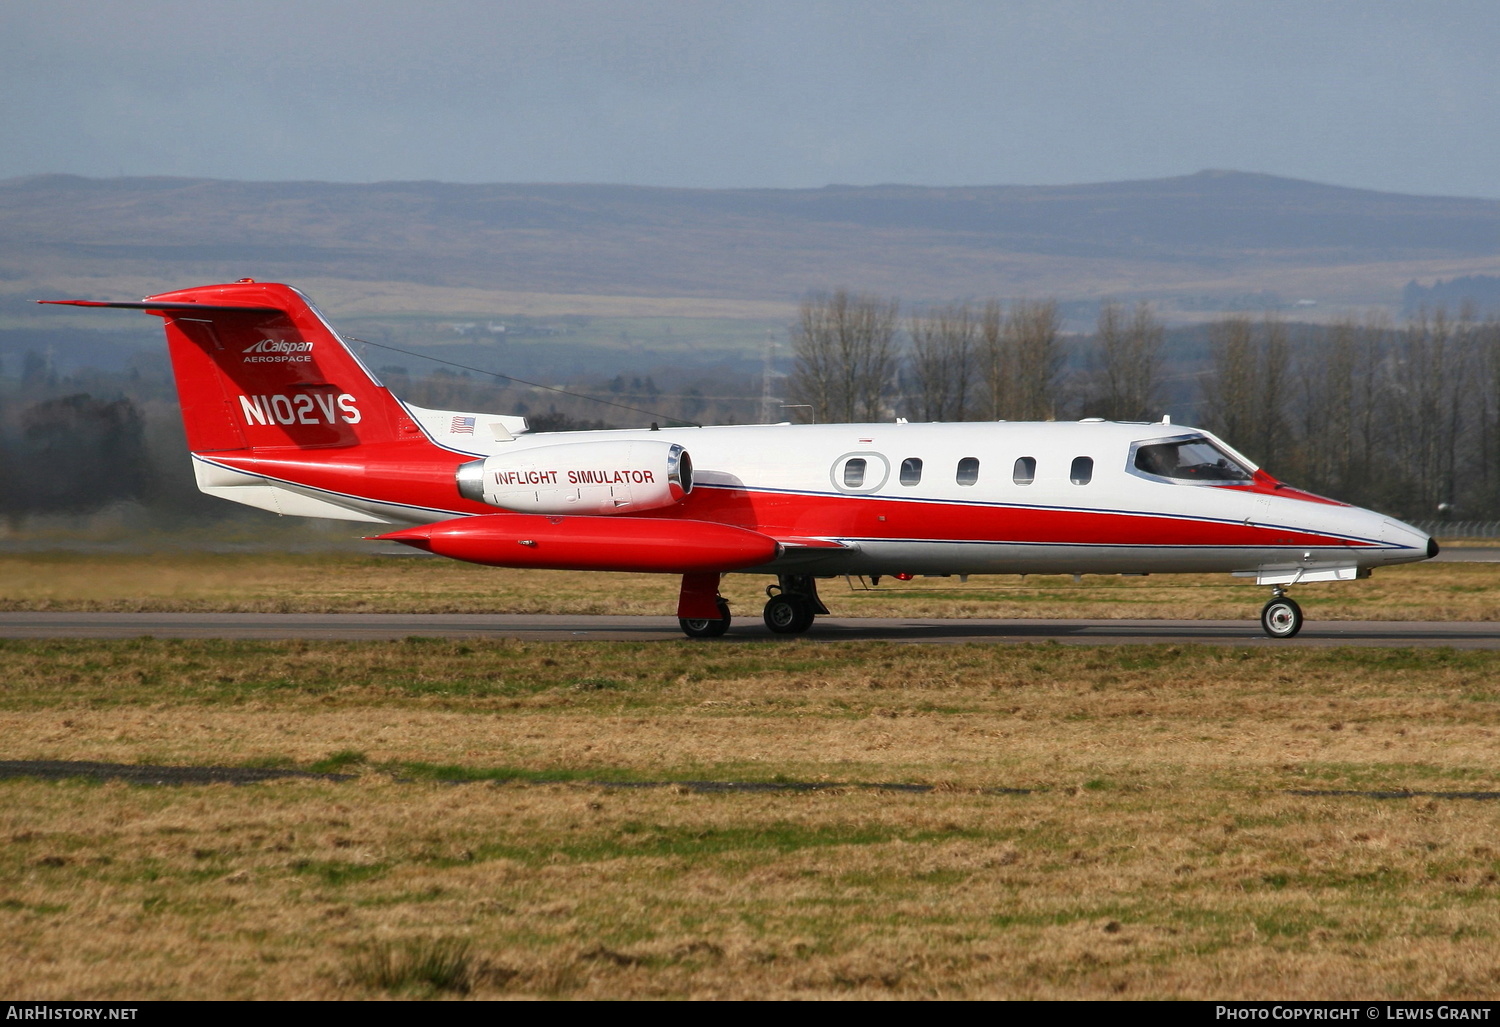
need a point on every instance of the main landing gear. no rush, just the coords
(1281, 617)
(791, 606)
(699, 627)
(793, 603)
(701, 611)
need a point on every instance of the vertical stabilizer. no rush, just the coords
(257, 367)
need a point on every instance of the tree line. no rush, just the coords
(1403, 418)
(856, 360)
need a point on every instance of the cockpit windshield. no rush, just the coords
(1189, 459)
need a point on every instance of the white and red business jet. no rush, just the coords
(282, 415)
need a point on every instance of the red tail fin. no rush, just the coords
(258, 367)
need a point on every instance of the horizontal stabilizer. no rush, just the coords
(201, 308)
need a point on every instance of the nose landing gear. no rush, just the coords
(1281, 617)
(793, 603)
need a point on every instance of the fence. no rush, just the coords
(1459, 529)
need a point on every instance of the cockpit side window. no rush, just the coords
(1192, 459)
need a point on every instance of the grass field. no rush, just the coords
(302, 583)
(1101, 822)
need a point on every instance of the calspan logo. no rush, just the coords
(278, 351)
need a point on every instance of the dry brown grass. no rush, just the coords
(343, 583)
(1162, 850)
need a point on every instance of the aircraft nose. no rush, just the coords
(1405, 543)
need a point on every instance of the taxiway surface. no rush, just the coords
(356, 626)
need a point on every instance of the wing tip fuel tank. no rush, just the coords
(643, 544)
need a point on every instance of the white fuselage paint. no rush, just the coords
(801, 463)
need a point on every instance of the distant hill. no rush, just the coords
(1200, 242)
(1478, 295)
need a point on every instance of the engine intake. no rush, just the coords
(581, 478)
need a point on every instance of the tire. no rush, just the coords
(789, 615)
(1281, 618)
(694, 627)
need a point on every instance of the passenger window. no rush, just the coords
(1083, 470)
(911, 471)
(968, 470)
(1025, 472)
(859, 472)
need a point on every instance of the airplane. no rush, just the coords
(281, 414)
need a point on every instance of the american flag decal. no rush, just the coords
(462, 426)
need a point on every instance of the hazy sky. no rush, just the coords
(1398, 96)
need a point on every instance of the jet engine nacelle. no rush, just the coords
(581, 478)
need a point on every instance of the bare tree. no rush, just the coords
(994, 361)
(943, 351)
(1325, 423)
(845, 356)
(1130, 360)
(1341, 413)
(1035, 354)
(817, 376)
(1487, 349)
(1269, 431)
(1427, 389)
(1247, 387)
(1230, 389)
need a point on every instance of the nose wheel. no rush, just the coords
(1281, 617)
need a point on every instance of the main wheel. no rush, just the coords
(1281, 618)
(697, 627)
(789, 615)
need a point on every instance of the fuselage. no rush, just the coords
(953, 498)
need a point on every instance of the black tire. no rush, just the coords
(789, 615)
(1281, 618)
(694, 627)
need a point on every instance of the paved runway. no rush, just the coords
(1459, 634)
(1469, 554)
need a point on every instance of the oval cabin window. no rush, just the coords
(1083, 470)
(968, 470)
(911, 471)
(859, 472)
(1025, 471)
